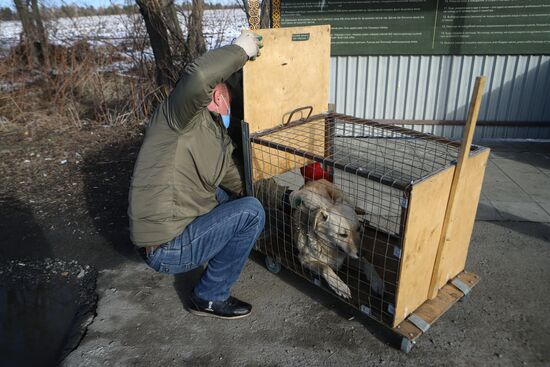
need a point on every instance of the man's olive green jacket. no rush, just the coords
(186, 154)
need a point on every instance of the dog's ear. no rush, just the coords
(335, 194)
(360, 211)
(320, 217)
(330, 191)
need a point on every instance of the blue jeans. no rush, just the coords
(223, 238)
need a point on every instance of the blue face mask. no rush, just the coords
(226, 119)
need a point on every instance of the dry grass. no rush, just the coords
(79, 90)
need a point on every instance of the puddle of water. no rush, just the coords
(35, 322)
(40, 319)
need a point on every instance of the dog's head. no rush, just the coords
(339, 226)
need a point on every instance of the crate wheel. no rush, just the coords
(407, 345)
(272, 265)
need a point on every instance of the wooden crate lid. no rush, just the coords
(291, 72)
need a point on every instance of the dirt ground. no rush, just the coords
(64, 195)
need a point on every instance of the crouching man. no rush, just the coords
(180, 217)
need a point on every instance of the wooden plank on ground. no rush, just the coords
(433, 309)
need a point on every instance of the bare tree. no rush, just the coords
(35, 37)
(195, 37)
(157, 28)
(172, 21)
(42, 35)
(171, 49)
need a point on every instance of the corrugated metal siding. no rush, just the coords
(439, 88)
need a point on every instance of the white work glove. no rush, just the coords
(250, 43)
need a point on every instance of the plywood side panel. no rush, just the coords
(425, 215)
(292, 72)
(461, 222)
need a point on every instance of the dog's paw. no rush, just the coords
(340, 288)
(376, 283)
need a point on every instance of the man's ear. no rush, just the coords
(320, 217)
(216, 96)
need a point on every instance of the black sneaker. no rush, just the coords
(229, 309)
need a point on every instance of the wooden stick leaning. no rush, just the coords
(469, 130)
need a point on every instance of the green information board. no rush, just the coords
(427, 27)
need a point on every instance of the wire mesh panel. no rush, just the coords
(335, 190)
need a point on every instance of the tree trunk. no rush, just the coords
(34, 35)
(195, 37)
(29, 32)
(158, 36)
(178, 43)
(245, 8)
(41, 34)
(173, 22)
(265, 14)
(172, 51)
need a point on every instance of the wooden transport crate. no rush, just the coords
(415, 194)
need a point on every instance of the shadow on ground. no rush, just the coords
(22, 236)
(107, 174)
(184, 284)
(521, 225)
(533, 158)
(330, 301)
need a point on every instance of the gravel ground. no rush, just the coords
(142, 318)
(77, 211)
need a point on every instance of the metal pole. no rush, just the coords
(247, 160)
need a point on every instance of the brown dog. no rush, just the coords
(326, 230)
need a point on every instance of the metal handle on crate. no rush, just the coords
(310, 108)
